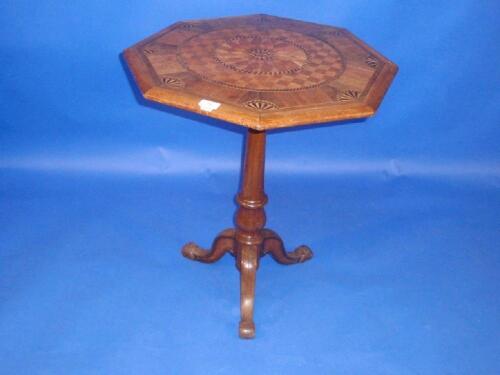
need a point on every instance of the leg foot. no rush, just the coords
(248, 258)
(222, 244)
(273, 245)
(247, 329)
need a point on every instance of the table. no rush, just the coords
(261, 72)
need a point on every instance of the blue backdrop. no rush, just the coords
(99, 190)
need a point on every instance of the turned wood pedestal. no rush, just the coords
(249, 240)
(260, 72)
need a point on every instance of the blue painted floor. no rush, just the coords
(405, 277)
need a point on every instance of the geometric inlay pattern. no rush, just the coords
(262, 71)
(270, 59)
(262, 105)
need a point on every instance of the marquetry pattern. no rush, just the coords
(317, 72)
(172, 82)
(349, 95)
(263, 60)
(261, 105)
(372, 61)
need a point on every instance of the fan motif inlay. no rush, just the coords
(172, 82)
(371, 61)
(349, 95)
(261, 105)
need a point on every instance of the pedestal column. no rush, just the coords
(249, 240)
(250, 220)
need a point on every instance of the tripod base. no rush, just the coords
(247, 256)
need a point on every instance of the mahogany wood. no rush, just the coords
(261, 72)
(249, 241)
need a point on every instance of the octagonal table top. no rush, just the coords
(261, 71)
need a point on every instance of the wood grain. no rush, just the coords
(265, 72)
(262, 72)
(249, 240)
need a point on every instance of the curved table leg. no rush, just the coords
(273, 244)
(222, 244)
(248, 266)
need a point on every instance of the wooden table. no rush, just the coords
(260, 72)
